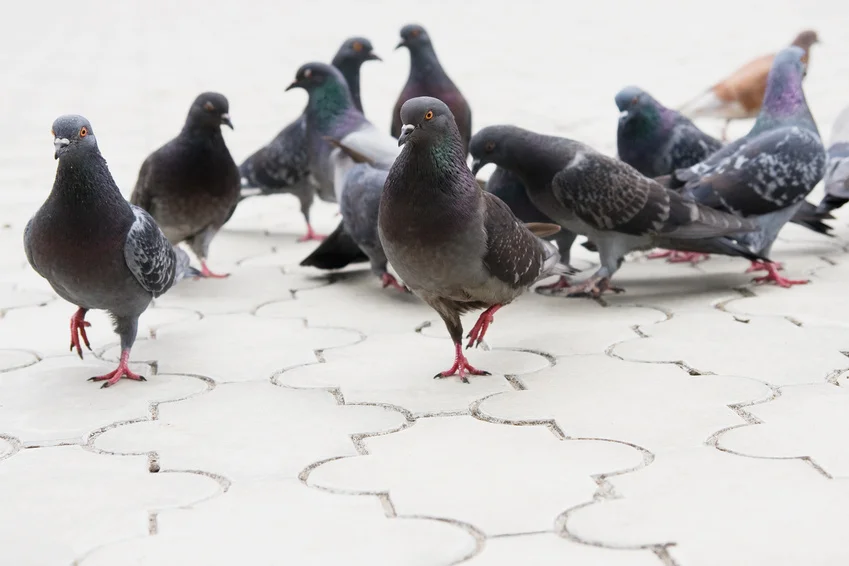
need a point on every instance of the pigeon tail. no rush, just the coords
(336, 251)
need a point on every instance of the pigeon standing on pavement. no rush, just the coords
(282, 166)
(427, 78)
(191, 184)
(455, 246)
(606, 200)
(656, 140)
(95, 249)
(356, 238)
(766, 174)
(836, 179)
(741, 94)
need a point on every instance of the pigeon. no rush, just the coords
(359, 205)
(765, 175)
(95, 249)
(605, 199)
(282, 166)
(836, 179)
(509, 188)
(456, 246)
(741, 94)
(190, 185)
(427, 78)
(331, 113)
(656, 140)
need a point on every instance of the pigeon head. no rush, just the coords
(784, 94)
(490, 145)
(355, 51)
(639, 110)
(72, 135)
(211, 110)
(426, 120)
(805, 39)
(314, 75)
(632, 97)
(413, 36)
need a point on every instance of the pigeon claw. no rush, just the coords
(461, 366)
(772, 276)
(123, 370)
(388, 280)
(762, 266)
(593, 287)
(78, 326)
(478, 331)
(661, 254)
(311, 235)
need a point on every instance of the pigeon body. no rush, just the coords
(95, 249)
(656, 140)
(282, 166)
(836, 179)
(455, 246)
(191, 184)
(428, 78)
(767, 173)
(741, 94)
(605, 199)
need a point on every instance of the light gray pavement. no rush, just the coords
(291, 418)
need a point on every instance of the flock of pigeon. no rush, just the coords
(411, 200)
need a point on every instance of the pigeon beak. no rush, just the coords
(295, 84)
(405, 133)
(402, 43)
(373, 57)
(59, 144)
(225, 119)
(477, 164)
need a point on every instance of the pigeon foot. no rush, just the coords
(593, 287)
(476, 335)
(762, 266)
(461, 366)
(311, 235)
(123, 370)
(205, 273)
(772, 276)
(562, 283)
(388, 280)
(688, 257)
(661, 254)
(78, 326)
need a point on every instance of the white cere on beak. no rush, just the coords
(623, 114)
(407, 129)
(59, 143)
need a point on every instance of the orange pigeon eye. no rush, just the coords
(52, 133)
(429, 115)
(489, 146)
(83, 132)
(414, 33)
(307, 73)
(357, 46)
(209, 107)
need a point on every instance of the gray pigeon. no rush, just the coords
(331, 113)
(362, 186)
(427, 78)
(282, 166)
(656, 140)
(837, 167)
(606, 200)
(455, 246)
(95, 249)
(191, 184)
(765, 175)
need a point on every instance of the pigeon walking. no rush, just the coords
(362, 186)
(95, 249)
(191, 184)
(282, 166)
(427, 78)
(606, 200)
(455, 246)
(766, 174)
(836, 179)
(656, 140)
(741, 94)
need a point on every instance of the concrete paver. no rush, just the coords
(290, 415)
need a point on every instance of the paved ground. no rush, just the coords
(290, 418)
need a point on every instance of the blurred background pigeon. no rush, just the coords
(836, 179)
